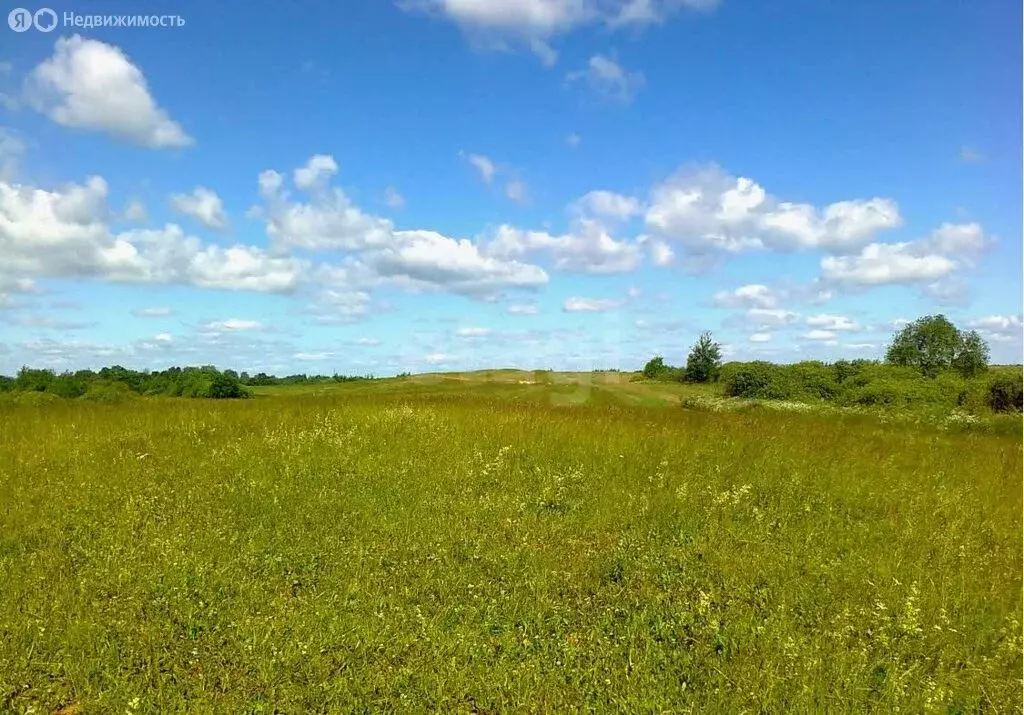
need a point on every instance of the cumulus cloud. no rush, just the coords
(832, 322)
(590, 305)
(432, 259)
(819, 335)
(886, 263)
(999, 328)
(318, 169)
(705, 209)
(768, 318)
(64, 232)
(760, 337)
(931, 260)
(523, 309)
(608, 79)
(203, 205)
(608, 205)
(586, 248)
(88, 84)
(754, 295)
(494, 23)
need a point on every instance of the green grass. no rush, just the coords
(474, 543)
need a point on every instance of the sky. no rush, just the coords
(373, 187)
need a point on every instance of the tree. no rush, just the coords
(704, 361)
(932, 344)
(654, 367)
(972, 355)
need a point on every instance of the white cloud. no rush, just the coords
(515, 189)
(886, 263)
(705, 209)
(414, 259)
(11, 150)
(312, 357)
(609, 79)
(328, 222)
(819, 335)
(163, 338)
(270, 183)
(473, 332)
(135, 210)
(997, 323)
(754, 295)
(957, 238)
(533, 20)
(832, 322)
(999, 328)
(523, 309)
(484, 166)
(590, 305)
(548, 56)
(319, 168)
(367, 342)
(88, 84)
(234, 325)
(428, 258)
(588, 248)
(64, 233)
(760, 337)
(159, 312)
(393, 198)
(573, 140)
(437, 358)
(767, 318)
(608, 205)
(661, 253)
(204, 205)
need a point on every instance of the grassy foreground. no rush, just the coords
(403, 548)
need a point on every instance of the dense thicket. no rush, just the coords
(111, 383)
(869, 383)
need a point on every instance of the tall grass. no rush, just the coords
(394, 552)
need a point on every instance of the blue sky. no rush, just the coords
(377, 187)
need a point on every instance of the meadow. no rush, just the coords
(504, 542)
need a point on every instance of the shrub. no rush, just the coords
(811, 379)
(1006, 393)
(757, 379)
(107, 392)
(654, 367)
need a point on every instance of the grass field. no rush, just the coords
(504, 542)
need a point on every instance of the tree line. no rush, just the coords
(111, 383)
(927, 361)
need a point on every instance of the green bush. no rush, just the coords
(1006, 393)
(108, 393)
(655, 367)
(811, 379)
(757, 380)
